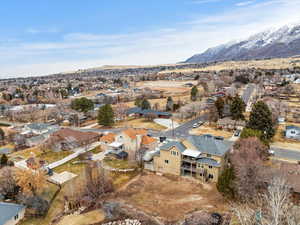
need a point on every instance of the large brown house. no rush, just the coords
(197, 156)
(68, 139)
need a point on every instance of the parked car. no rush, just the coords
(196, 125)
(237, 133)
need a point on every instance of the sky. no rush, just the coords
(51, 36)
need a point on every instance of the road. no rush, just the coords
(179, 132)
(287, 154)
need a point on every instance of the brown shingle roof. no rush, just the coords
(79, 136)
(110, 137)
(146, 140)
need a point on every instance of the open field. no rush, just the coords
(140, 123)
(205, 129)
(169, 87)
(171, 194)
(279, 63)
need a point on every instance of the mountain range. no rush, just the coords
(273, 43)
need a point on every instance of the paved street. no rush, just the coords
(182, 131)
(287, 154)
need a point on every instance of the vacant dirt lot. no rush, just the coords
(171, 197)
(211, 130)
(95, 216)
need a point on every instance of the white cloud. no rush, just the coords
(245, 3)
(204, 1)
(169, 45)
(39, 31)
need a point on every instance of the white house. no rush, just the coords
(11, 214)
(292, 132)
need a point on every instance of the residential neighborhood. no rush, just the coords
(150, 112)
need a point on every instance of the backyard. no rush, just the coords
(171, 194)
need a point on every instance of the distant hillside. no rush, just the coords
(273, 43)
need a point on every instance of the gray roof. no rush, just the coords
(138, 110)
(208, 144)
(171, 144)
(208, 161)
(8, 211)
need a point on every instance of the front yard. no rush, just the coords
(280, 141)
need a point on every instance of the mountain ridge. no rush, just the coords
(272, 43)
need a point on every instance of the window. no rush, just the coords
(209, 167)
(166, 161)
(210, 176)
(16, 216)
(208, 155)
(200, 174)
(293, 132)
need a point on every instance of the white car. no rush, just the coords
(271, 152)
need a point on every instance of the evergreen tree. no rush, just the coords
(2, 134)
(145, 104)
(237, 108)
(82, 104)
(261, 119)
(138, 102)
(225, 184)
(170, 104)
(220, 106)
(106, 115)
(194, 93)
(3, 160)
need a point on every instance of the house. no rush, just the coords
(129, 140)
(139, 112)
(38, 128)
(292, 132)
(201, 157)
(68, 139)
(11, 214)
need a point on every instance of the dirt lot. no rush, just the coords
(171, 194)
(170, 88)
(205, 129)
(140, 123)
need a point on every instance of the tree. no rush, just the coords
(213, 115)
(8, 184)
(31, 183)
(106, 115)
(261, 119)
(2, 135)
(82, 104)
(138, 102)
(145, 104)
(274, 207)
(225, 183)
(3, 160)
(170, 104)
(220, 106)
(237, 108)
(247, 159)
(194, 93)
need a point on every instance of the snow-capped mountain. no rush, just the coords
(272, 43)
